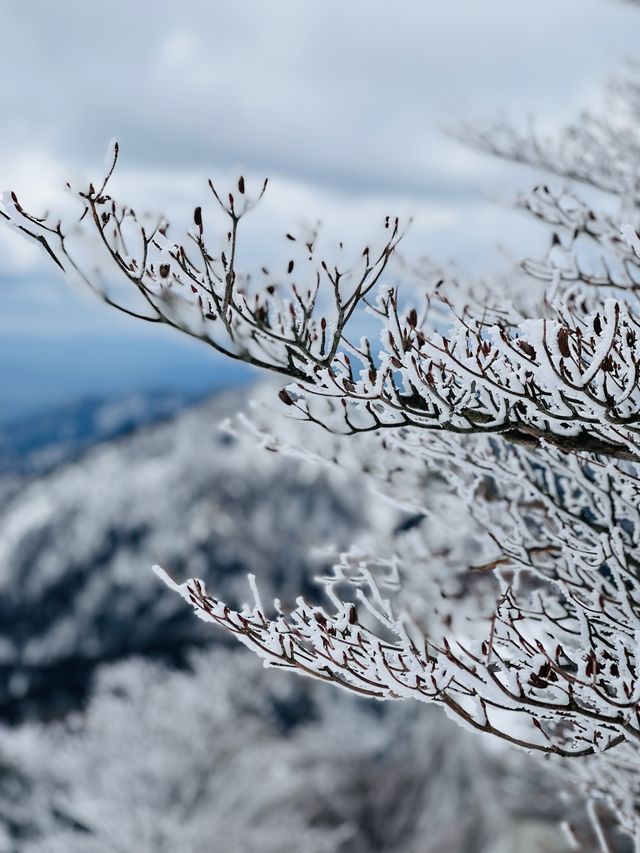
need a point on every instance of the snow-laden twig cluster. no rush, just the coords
(570, 378)
(601, 151)
(531, 422)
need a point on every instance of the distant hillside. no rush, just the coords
(77, 541)
(36, 442)
(182, 736)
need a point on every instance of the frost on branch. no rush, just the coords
(539, 644)
(569, 378)
(499, 668)
(199, 289)
(526, 421)
(591, 256)
(600, 150)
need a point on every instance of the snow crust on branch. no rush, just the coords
(521, 427)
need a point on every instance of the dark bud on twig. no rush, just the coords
(607, 364)
(285, 397)
(563, 343)
(527, 349)
(597, 324)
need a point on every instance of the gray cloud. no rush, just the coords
(345, 94)
(340, 103)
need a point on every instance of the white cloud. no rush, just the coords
(348, 94)
(340, 103)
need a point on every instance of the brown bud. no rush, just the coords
(527, 349)
(285, 397)
(563, 343)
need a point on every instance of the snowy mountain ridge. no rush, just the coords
(77, 543)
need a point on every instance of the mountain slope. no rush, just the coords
(77, 543)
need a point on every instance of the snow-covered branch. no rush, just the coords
(522, 429)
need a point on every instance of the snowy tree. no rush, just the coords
(238, 769)
(523, 423)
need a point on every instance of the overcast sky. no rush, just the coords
(342, 104)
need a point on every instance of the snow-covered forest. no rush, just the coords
(411, 543)
(130, 725)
